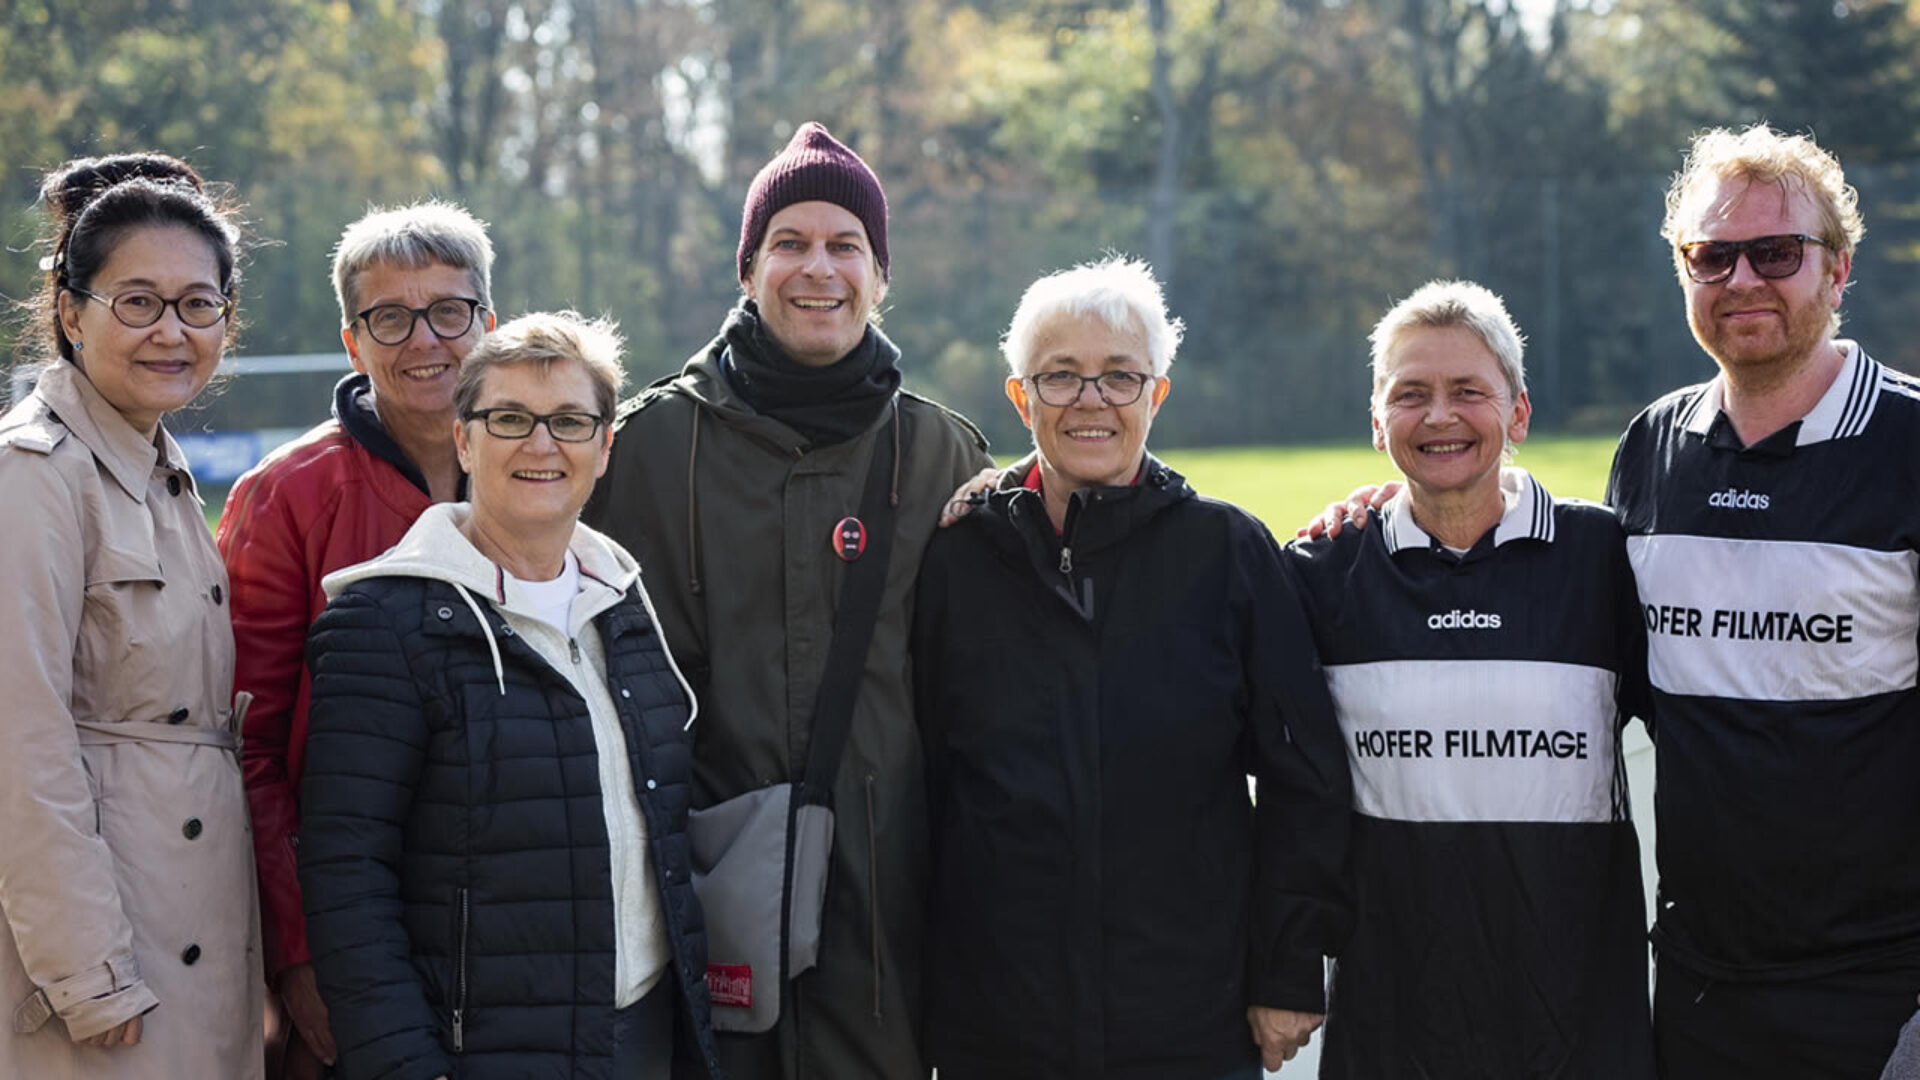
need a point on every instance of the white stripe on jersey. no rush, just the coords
(1770, 620)
(1478, 740)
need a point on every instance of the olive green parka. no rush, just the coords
(732, 515)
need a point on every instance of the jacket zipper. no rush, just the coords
(460, 981)
(573, 646)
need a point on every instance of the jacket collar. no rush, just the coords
(353, 407)
(129, 456)
(1842, 412)
(434, 548)
(1097, 517)
(1528, 515)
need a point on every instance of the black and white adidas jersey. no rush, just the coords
(1500, 928)
(1780, 592)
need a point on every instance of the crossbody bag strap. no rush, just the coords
(861, 590)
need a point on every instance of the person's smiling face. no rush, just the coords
(1749, 323)
(1088, 442)
(518, 485)
(1444, 412)
(147, 371)
(416, 376)
(815, 281)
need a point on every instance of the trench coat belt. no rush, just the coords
(94, 733)
(47, 1001)
(99, 733)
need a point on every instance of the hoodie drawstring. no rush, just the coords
(893, 494)
(499, 670)
(693, 508)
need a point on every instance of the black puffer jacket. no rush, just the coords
(454, 851)
(1105, 903)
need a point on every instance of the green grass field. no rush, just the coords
(1286, 485)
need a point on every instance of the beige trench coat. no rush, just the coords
(126, 865)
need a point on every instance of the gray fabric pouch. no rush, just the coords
(760, 870)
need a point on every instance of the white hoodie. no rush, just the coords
(435, 549)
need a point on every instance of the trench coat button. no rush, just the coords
(178, 716)
(191, 830)
(652, 784)
(626, 693)
(219, 594)
(191, 955)
(173, 485)
(445, 613)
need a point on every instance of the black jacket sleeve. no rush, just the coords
(1303, 908)
(367, 740)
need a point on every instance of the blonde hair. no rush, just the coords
(545, 338)
(1761, 155)
(1441, 304)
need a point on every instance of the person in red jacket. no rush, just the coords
(414, 290)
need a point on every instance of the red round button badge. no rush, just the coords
(849, 539)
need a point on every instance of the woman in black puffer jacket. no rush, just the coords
(494, 854)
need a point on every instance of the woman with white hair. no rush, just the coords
(1101, 659)
(1484, 649)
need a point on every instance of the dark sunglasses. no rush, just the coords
(1712, 261)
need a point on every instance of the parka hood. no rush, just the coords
(437, 550)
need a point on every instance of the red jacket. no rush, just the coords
(338, 495)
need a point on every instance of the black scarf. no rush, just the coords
(826, 405)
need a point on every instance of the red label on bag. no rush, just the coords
(731, 984)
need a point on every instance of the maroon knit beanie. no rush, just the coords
(814, 166)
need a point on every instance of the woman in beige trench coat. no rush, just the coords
(130, 945)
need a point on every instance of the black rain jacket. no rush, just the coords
(1107, 902)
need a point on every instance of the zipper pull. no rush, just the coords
(459, 1031)
(1066, 559)
(573, 646)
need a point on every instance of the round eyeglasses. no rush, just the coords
(1116, 388)
(392, 324)
(138, 309)
(519, 423)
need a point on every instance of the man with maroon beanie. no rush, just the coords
(731, 482)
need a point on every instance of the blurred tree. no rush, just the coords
(1844, 71)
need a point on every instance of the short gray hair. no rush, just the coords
(1119, 291)
(546, 338)
(1441, 304)
(414, 237)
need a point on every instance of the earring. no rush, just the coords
(77, 346)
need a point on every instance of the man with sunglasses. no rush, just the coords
(414, 290)
(1772, 527)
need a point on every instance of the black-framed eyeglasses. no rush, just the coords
(519, 423)
(138, 309)
(1116, 388)
(392, 324)
(1710, 262)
